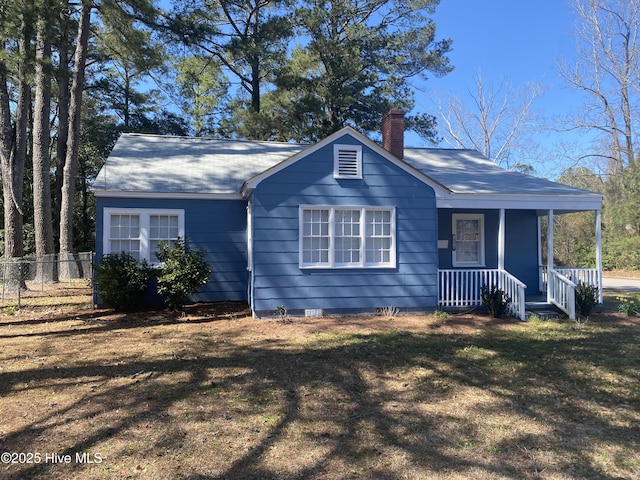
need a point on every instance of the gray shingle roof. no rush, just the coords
(468, 171)
(167, 164)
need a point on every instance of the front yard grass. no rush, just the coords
(212, 393)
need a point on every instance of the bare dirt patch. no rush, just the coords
(211, 393)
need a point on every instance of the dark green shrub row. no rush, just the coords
(122, 282)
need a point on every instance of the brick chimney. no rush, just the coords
(393, 132)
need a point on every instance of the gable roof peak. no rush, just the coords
(253, 182)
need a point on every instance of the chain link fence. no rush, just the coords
(48, 275)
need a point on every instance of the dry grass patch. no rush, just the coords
(621, 274)
(212, 393)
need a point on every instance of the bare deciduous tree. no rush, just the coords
(606, 69)
(493, 120)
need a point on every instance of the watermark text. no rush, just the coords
(26, 458)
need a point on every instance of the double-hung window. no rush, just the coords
(139, 232)
(124, 234)
(347, 237)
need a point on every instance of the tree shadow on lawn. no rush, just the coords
(104, 320)
(383, 405)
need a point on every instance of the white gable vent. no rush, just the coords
(347, 161)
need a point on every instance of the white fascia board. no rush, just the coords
(167, 195)
(567, 203)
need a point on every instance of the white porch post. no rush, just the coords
(501, 235)
(599, 253)
(549, 253)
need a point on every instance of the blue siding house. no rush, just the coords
(344, 225)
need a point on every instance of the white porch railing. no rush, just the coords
(562, 292)
(588, 276)
(461, 288)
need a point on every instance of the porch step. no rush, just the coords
(542, 314)
(541, 309)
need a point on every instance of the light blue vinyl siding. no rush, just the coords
(277, 276)
(521, 247)
(218, 226)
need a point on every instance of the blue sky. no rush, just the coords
(518, 39)
(510, 40)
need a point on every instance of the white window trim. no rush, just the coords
(336, 161)
(331, 264)
(145, 214)
(467, 216)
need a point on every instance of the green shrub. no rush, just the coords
(182, 272)
(121, 281)
(495, 300)
(586, 299)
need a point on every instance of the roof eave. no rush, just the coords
(168, 195)
(564, 203)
